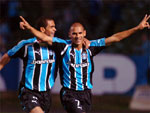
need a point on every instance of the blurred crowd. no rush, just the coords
(101, 18)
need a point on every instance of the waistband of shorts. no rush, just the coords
(49, 90)
(78, 91)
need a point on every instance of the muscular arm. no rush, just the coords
(41, 36)
(25, 25)
(4, 60)
(120, 36)
(124, 34)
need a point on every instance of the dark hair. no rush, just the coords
(42, 22)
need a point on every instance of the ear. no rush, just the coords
(69, 34)
(84, 33)
(42, 29)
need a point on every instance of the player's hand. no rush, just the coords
(144, 23)
(24, 24)
(86, 43)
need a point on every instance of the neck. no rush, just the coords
(39, 40)
(78, 47)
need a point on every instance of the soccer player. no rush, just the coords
(76, 62)
(40, 67)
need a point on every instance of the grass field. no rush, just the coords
(9, 103)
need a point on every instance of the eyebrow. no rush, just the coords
(53, 26)
(76, 32)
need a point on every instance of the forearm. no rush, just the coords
(40, 35)
(120, 36)
(124, 34)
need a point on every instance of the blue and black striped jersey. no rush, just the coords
(76, 66)
(40, 65)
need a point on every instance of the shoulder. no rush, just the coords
(24, 42)
(98, 42)
(60, 40)
(21, 44)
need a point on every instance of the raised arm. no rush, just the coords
(4, 60)
(124, 34)
(26, 26)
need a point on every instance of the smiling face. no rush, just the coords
(77, 33)
(50, 28)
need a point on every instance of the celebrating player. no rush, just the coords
(40, 67)
(76, 62)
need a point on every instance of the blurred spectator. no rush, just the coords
(2, 81)
(144, 46)
(13, 8)
(94, 13)
(115, 18)
(4, 34)
(148, 74)
(13, 13)
(2, 45)
(3, 8)
(100, 17)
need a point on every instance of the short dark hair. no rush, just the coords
(42, 22)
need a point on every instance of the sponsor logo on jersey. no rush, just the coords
(79, 65)
(43, 61)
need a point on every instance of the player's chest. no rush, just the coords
(39, 52)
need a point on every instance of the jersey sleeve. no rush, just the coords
(98, 42)
(59, 48)
(97, 46)
(59, 40)
(19, 49)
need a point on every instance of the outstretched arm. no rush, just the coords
(4, 60)
(124, 34)
(45, 38)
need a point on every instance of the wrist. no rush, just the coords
(30, 28)
(137, 28)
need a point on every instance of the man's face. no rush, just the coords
(77, 33)
(50, 28)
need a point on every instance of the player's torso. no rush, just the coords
(77, 68)
(40, 66)
(40, 54)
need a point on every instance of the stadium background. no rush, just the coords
(113, 92)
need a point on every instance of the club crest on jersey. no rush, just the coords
(50, 52)
(84, 56)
